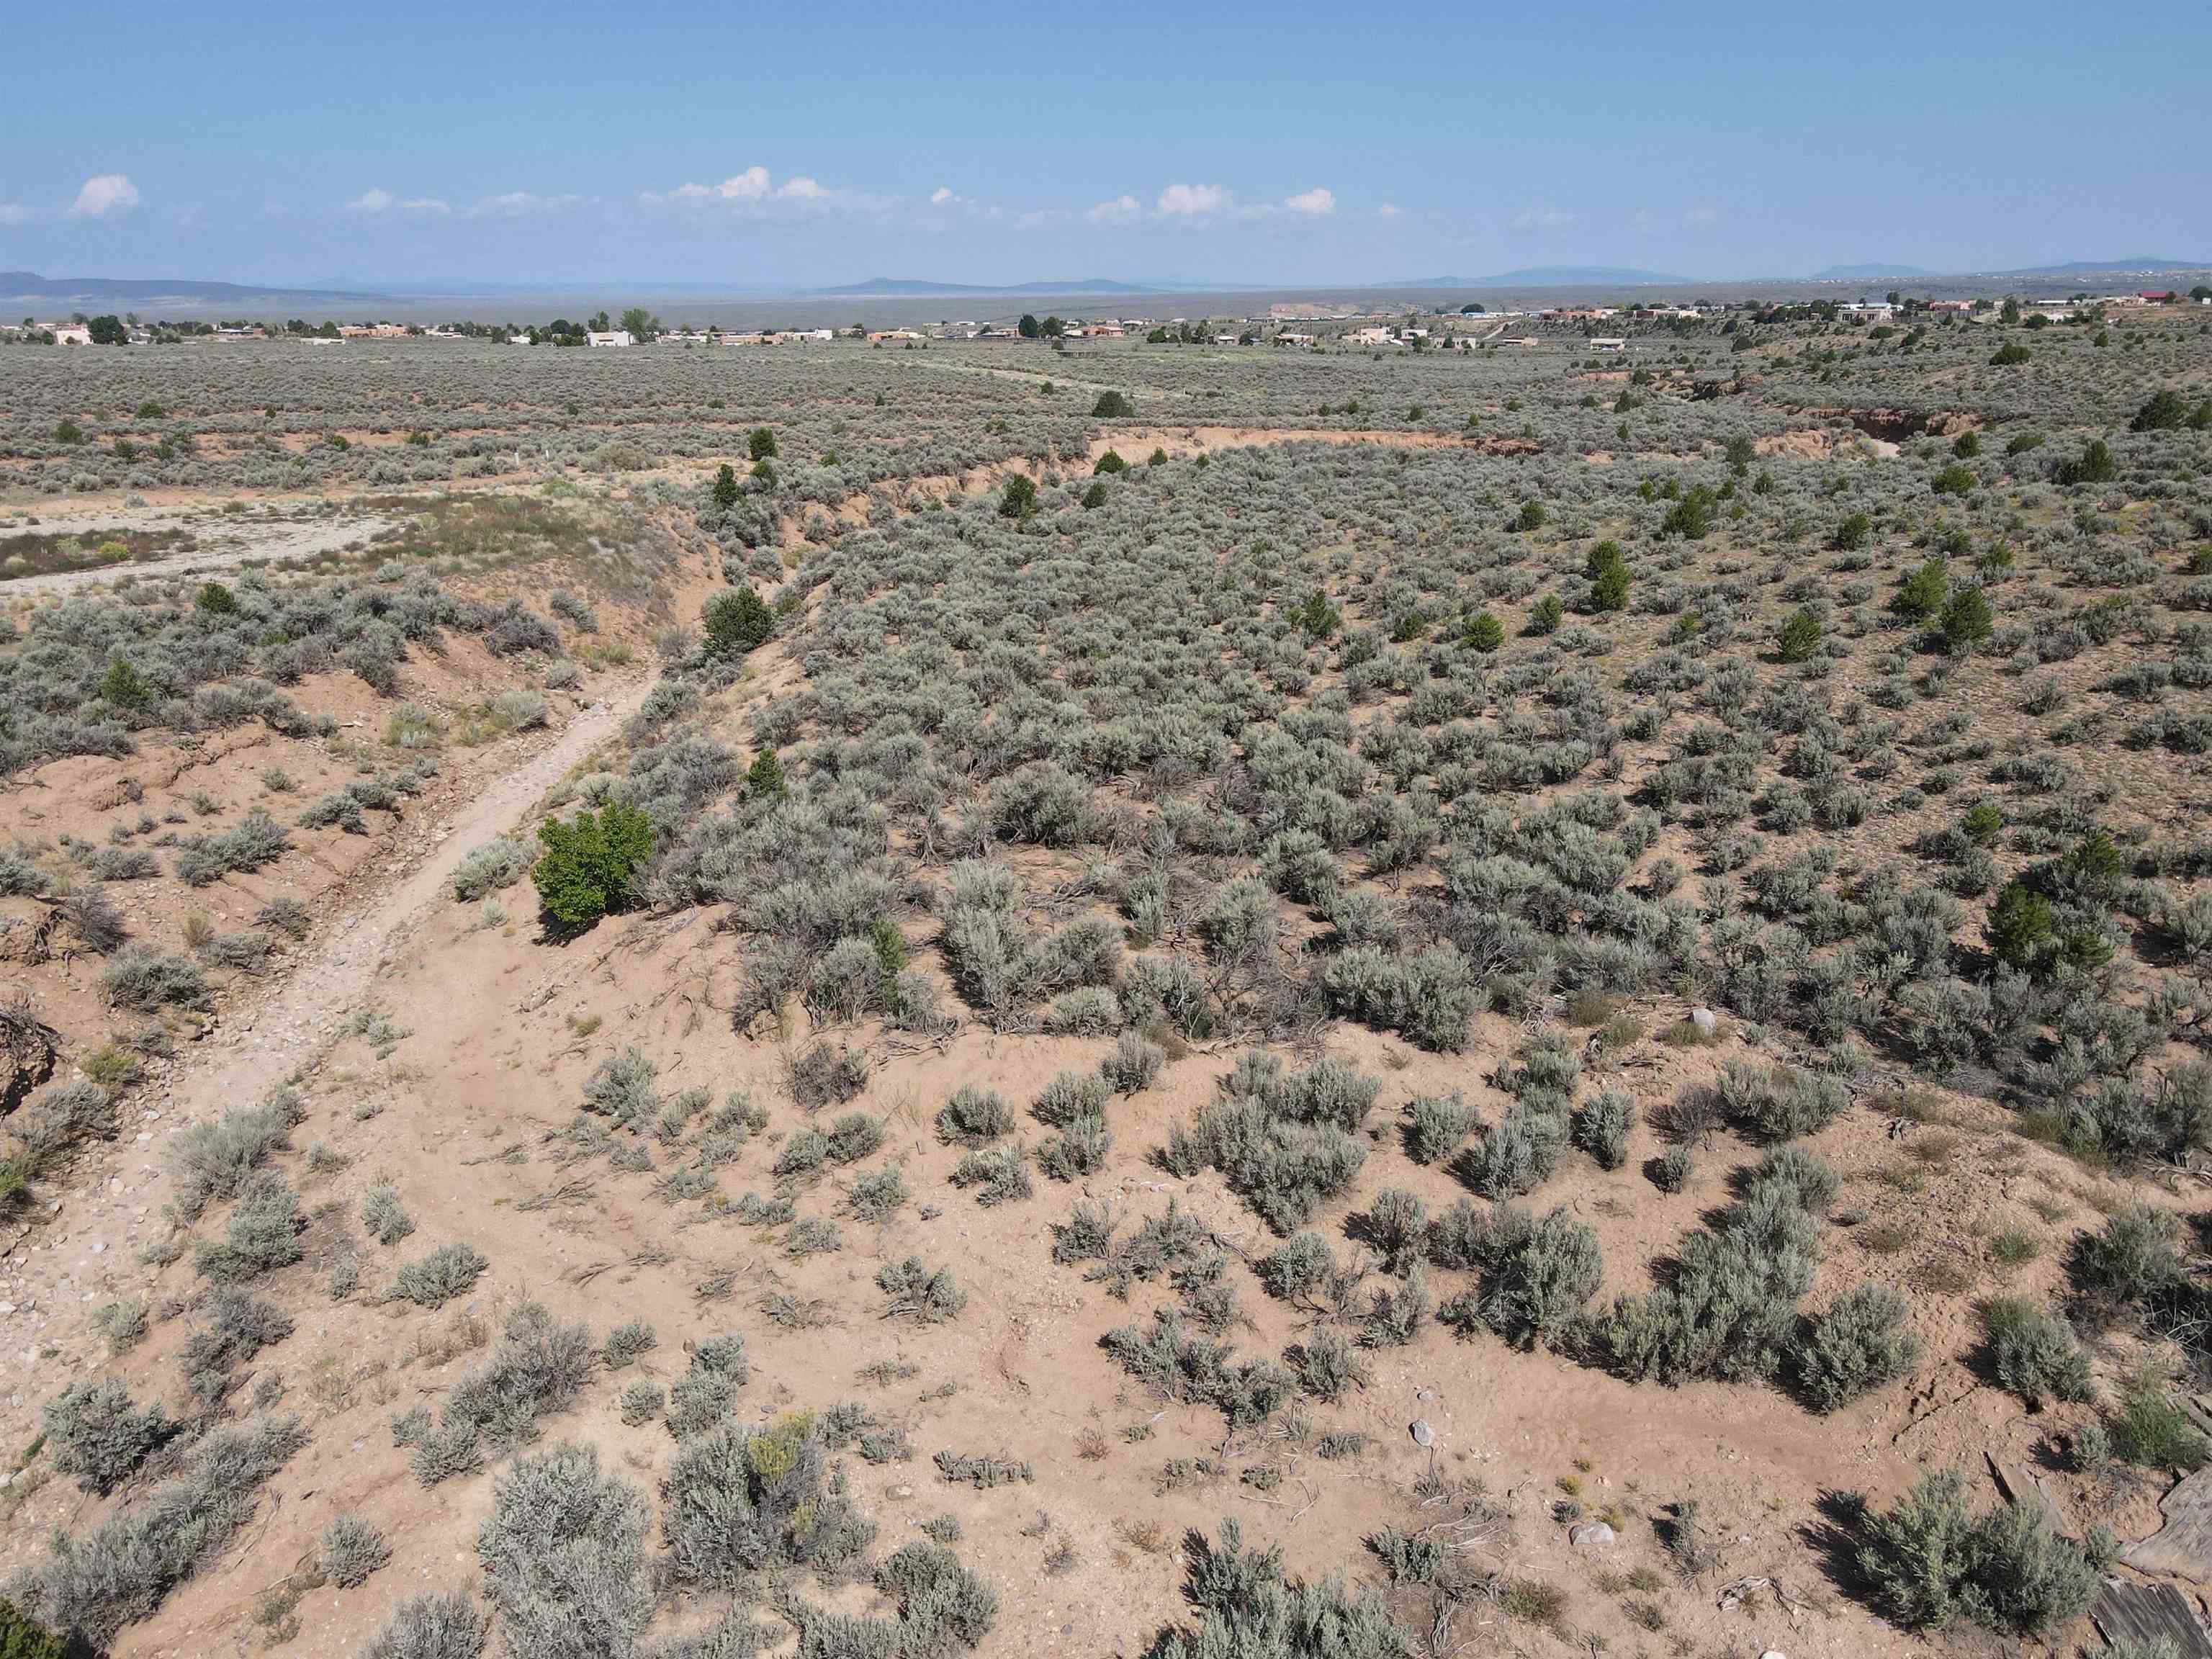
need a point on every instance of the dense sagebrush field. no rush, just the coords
(1662, 904)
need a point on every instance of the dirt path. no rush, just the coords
(241, 544)
(294, 1025)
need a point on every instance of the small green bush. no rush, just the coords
(735, 623)
(586, 869)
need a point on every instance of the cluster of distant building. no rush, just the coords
(1344, 326)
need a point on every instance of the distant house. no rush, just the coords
(1287, 338)
(1370, 336)
(71, 334)
(1609, 343)
(613, 337)
(1224, 339)
(2160, 297)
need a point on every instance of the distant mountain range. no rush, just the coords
(2087, 267)
(887, 287)
(1549, 276)
(1876, 272)
(93, 290)
(25, 288)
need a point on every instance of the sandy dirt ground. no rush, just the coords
(223, 542)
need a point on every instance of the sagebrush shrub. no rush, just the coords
(1246, 1603)
(261, 1235)
(433, 1280)
(495, 865)
(737, 1502)
(1929, 1560)
(2133, 1260)
(1437, 1125)
(974, 1117)
(433, 1625)
(1860, 1341)
(915, 1291)
(96, 1433)
(122, 1568)
(563, 1554)
(350, 1549)
(215, 1160)
(1283, 1141)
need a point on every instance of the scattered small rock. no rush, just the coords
(1590, 1534)
(1422, 1433)
(1704, 1020)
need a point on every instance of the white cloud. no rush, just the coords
(1121, 211)
(1193, 201)
(1703, 216)
(380, 200)
(943, 197)
(755, 189)
(1316, 202)
(103, 194)
(751, 186)
(516, 203)
(1391, 211)
(1541, 219)
(13, 213)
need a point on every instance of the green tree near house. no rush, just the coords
(640, 324)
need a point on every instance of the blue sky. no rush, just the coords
(1286, 143)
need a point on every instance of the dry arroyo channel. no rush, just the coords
(224, 547)
(295, 1024)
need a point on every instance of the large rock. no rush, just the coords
(1590, 1534)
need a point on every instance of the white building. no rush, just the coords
(71, 334)
(1609, 343)
(614, 336)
